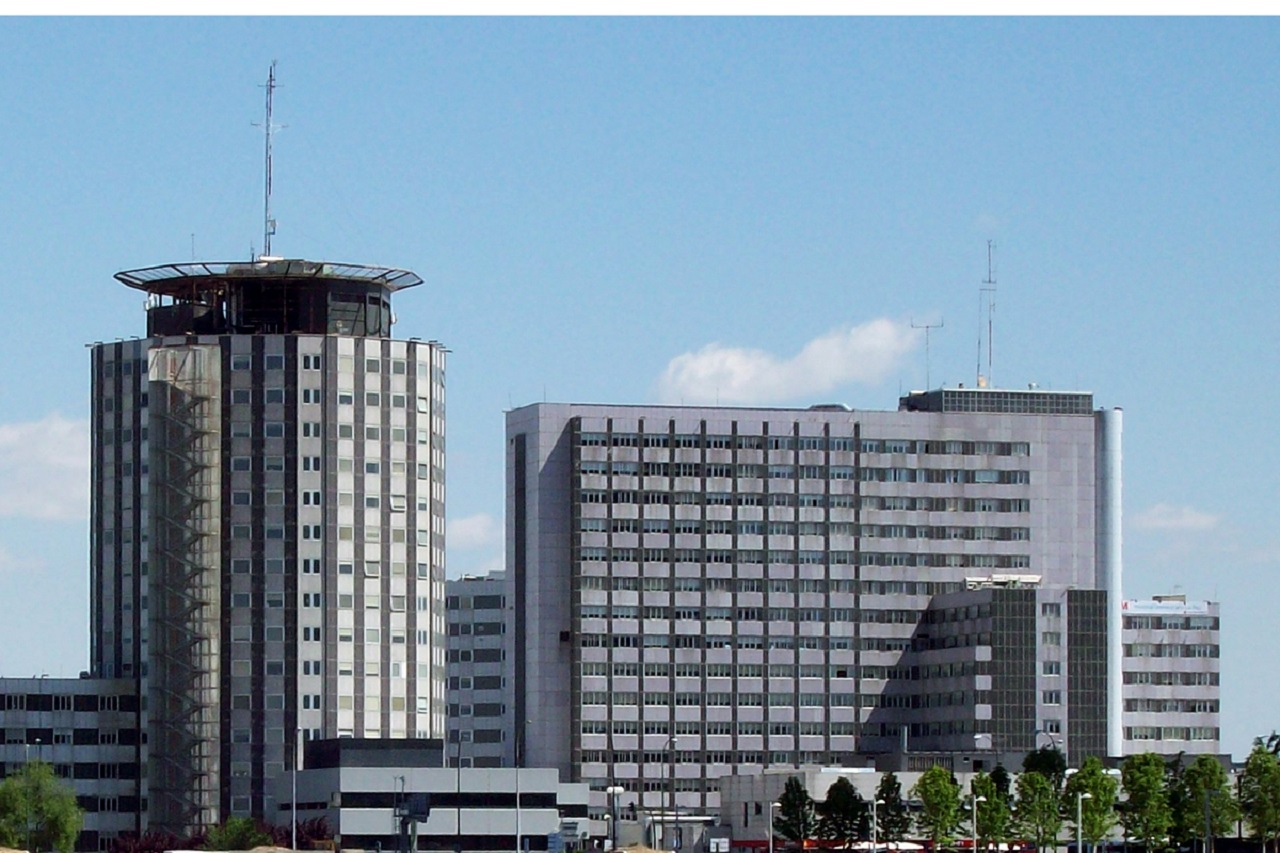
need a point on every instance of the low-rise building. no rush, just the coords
(87, 729)
(370, 791)
(1171, 676)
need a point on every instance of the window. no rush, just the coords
(241, 362)
(1051, 697)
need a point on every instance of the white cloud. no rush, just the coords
(474, 531)
(44, 469)
(866, 353)
(1168, 517)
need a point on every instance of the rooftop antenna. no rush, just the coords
(987, 303)
(928, 384)
(268, 223)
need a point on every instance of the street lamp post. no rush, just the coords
(875, 817)
(614, 791)
(976, 798)
(670, 748)
(769, 828)
(1081, 796)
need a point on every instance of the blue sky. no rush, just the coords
(636, 210)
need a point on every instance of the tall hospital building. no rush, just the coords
(267, 525)
(704, 591)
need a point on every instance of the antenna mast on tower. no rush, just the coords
(268, 224)
(987, 305)
(928, 384)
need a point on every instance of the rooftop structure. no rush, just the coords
(269, 296)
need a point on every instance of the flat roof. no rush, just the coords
(180, 279)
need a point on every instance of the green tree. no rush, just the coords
(1098, 809)
(1050, 763)
(843, 816)
(37, 807)
(796, 820)
(893, 821)
(939, 796)
(1036, 813)
(1003, 783)
(237, 833)
(994, 815)
(1147, 816)
(1201, 797)
(1260, 795)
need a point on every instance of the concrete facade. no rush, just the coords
(706, 591)
(267, 527)
(470, 809)
(87, 729)
(1171, 676)
(480, 667)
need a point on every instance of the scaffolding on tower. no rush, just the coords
(185, 582)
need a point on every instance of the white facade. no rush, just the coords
(1171, 676)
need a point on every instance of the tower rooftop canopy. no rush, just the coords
(269, 296)
(178, 280)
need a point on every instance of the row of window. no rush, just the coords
(593, 524)
(699, 556)
(372, 568)
(1172, 706)
(684, 612)
(792, 472)
(740, 641)
(1171, 733)
(708, 728)
(773, 585)
(753, 471)
(77, 737)
(66, 702)
(1176, 679)
(477, 602)
(312, 497)
(715, 670)
(315, 532)
(725, 699)
(699, 785)
(1170, 650)
(344, 465)
(804, 442)
(1171, 623)
(346, 363)
(714, 527)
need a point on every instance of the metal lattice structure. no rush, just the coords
(185, 580)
